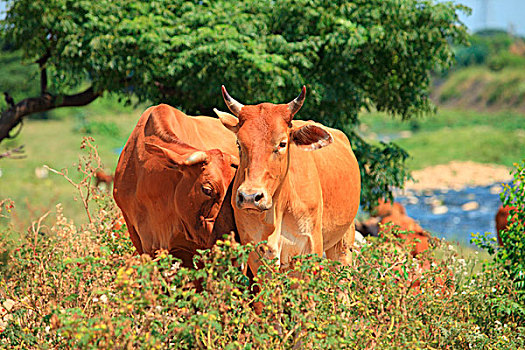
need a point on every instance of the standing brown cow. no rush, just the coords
(172, 182)
(300, 202)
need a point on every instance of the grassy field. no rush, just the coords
(497, 138)
(480, 88)
(56, 142)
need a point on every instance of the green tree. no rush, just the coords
(351, 55)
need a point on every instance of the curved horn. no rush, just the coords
(234, 106)
(196, 157)
(297, 103)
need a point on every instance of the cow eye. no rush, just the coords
(282, 144)
(207, 190)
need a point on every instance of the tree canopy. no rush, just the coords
(351, 55)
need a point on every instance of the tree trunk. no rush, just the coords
(11, 117)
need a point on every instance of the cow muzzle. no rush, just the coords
(254, 199)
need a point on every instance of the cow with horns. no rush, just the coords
(297, 186)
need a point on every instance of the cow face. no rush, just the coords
(200, 193)
(264, 137)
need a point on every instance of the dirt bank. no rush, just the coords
(457, 175)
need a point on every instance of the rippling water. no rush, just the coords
(456, 223)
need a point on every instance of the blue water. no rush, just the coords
(456, 224)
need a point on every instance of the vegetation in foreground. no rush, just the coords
(65, 285)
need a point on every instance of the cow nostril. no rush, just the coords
(240, 197)
(258, 197)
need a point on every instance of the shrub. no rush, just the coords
(505, 59)
(69, 286)
(511, 256)
(79, 287)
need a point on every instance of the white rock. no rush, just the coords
(359, 239)
(439, 210)
(496, 189)
(469, 206)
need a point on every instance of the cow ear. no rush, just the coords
(311, 137)
(230, 121)
(174, 160)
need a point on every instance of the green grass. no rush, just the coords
(56, 143)
(479, 87)
(497, 138)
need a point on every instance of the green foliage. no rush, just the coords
(484, 46)
(482, 88)
(511, 255)
(506, 59)
(19, 80)
(78, 287)
(70, 286)
(350, 54)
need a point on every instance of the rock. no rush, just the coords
(469, 206)
(413, 200)
(496, 189)
(359, 239)
(439, 210)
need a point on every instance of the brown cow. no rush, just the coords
(102, 177)
(502, 217)
(370, 227)
(415, 237)
(300, 202)
(386, 208)
(172, 182)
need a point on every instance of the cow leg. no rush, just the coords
(342, 250)
(135, 239)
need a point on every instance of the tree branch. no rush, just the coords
(43, 79)
(43, 71)
(12, 116)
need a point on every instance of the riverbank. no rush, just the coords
(457, 175)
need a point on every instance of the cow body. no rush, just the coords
(385, 208)
(102, 177)
(414, 237)
(502, 220)
(300, 202)
(171, 182)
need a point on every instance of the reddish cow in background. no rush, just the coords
(370, 227)
(502, 217)
(415, 237)
(386, 208)
(172, 182)
(102, 177)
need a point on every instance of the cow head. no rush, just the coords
(199, 197)
(264, 137)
